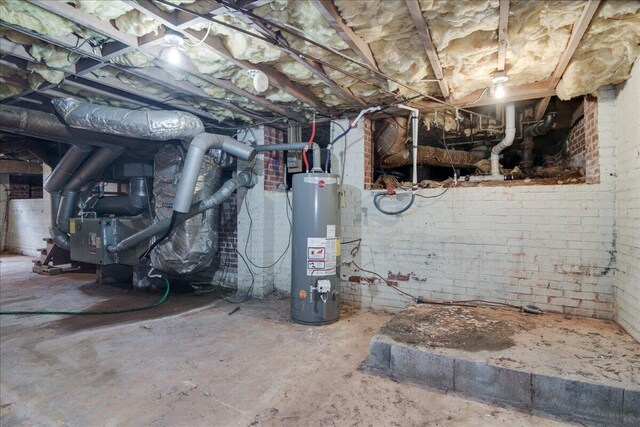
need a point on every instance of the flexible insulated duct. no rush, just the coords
(134, 203)
(154, 125)
(244, 179)
(48, 126)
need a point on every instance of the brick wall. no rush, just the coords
(592, 151)
(228, 239)
(368, 153)
(627, 211)
(576, 145)
(25, 187)
(273, 161)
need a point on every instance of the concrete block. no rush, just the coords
(379, 354)
(421, 366)
(577, 399)
(493, 382)
(631, 408)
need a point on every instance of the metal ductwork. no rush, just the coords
(197, 150)
(244, 179)
(296, 146)
(153, 125)
(65, 168)
(89, 171)
(132, 204)
(48, 126)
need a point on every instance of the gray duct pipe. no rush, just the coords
(90, 170)
(48, 126)
(298, 146)
(154, 125)
(244, 179)
(63, 171)
(132, 204)
(197, 150)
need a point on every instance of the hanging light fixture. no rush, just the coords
(172, 53)
(499, 80)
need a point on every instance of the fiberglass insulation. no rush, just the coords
(388, 28)
(606, 52)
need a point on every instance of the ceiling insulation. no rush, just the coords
(106, 10)
(389, 30)
(607, 51)
(134, 59)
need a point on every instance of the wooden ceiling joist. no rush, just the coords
(425, 37)
(541, 108)
(579, 28)
(481, 98)
(216, 45)
(328, 10)
(502, 34)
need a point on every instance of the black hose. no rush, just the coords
(144, 257)
(376, 203)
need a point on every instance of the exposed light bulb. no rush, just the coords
(499, 80)
(499, 91)
(172, 55)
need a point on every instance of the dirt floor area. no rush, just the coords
(190, 362)
(589, 350)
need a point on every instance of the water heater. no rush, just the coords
(315, 278)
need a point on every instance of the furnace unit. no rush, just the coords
(315, 279)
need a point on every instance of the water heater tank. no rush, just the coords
(315, 278)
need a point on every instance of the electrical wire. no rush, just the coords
(376, 203)
(203, 38)
(386, 282)
(306, 148)
(145, 255)
(91, 313)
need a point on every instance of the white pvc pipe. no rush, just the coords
(414, 136)
(509, 136)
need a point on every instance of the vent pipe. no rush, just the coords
(132, 204)
(509, 136)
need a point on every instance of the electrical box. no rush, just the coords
(90, 238)
(324, 286)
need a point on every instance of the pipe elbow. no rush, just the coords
(60, 238)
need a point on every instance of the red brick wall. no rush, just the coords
(576, 145)
(368, 154)
(273, 161)
(24, 187)
(228, 235)
(592, 169)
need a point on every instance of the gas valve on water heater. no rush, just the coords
(315, 278)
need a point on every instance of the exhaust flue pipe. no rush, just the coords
(197, 150)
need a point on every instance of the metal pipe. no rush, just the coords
(90, 170)
(155, 125)
(509, 136)
(527, 145)
(298, 146)
(132, 204)
(197, 150)
(63, 171)
(244, 179)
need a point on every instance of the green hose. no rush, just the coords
(85, 313)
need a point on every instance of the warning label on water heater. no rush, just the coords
(321, 256)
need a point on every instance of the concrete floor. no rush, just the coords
(190, 363)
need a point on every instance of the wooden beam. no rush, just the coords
(425, 37)
(502, 34)
(15, 167)
(541, 108)
(216, 45)
(513, 93)
(328, 10)
(579, 28)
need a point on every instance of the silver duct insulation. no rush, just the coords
(244, 179)
(89, 171)
(195, 156)
(193, 244)
(48, 126)
(154, 125)
(132, 204)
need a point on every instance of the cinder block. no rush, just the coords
(493, 382)
(379, 354)
(422, 366)
(577, 399)
(631, 408)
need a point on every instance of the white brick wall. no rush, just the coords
(627, 212)
(28, 223)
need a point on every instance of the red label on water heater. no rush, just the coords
(321, 184)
